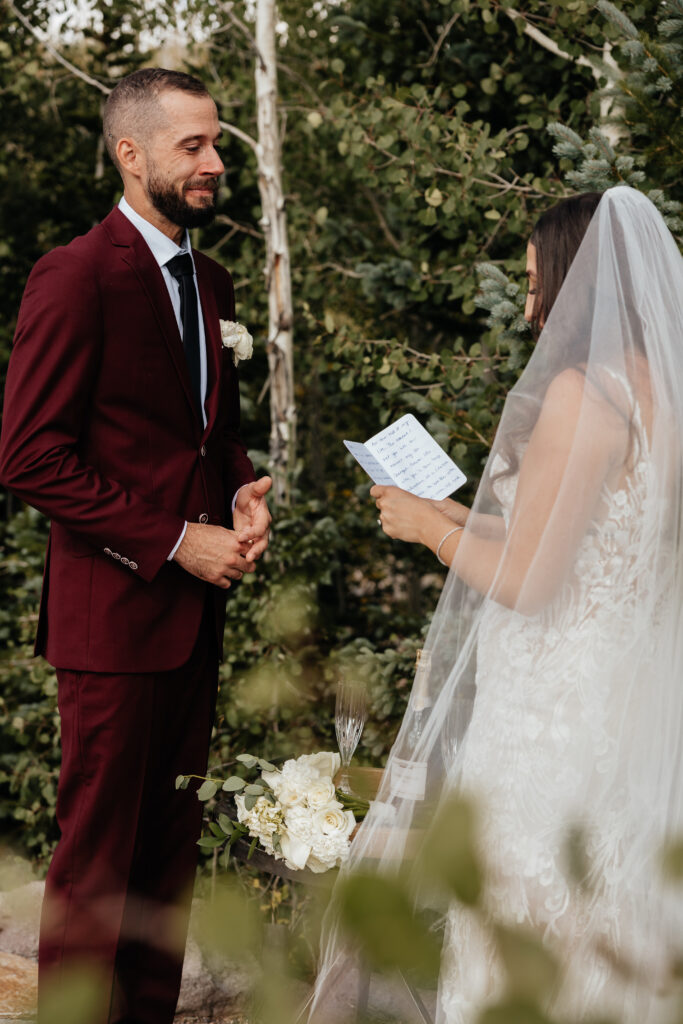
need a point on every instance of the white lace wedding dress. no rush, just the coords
(540, 754)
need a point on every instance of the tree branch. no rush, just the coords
(231, 128)
(386, 230)
(228, 8)
(239, 134)
(440, 41)
(329, 265)
(547, 43)
(223, 218)
(55, 53)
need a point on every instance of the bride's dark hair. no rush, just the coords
(557, 235)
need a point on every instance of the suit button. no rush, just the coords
(107, 551)
(125, 561)
(116, 555)
(202, 450)
(203, 518)
(132, 565)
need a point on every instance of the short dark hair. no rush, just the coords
(132, 105)
(557, 236)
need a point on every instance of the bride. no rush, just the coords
(562, 615)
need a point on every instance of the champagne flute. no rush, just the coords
(349, 719)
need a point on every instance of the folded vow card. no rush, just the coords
(406, 455)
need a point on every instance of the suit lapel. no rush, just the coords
(214, 347)
(136, 253)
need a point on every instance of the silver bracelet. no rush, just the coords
(445, 537)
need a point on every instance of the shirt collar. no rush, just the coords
(162, 247)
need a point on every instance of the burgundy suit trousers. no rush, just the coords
(119, 887)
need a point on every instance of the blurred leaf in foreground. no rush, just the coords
(449, 854)
(377, 914)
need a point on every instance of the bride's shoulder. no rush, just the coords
(602, 394)
(567, 388)
(597, 408)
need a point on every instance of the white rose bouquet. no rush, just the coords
(294, 813)
(236, 337)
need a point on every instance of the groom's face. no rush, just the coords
(183, 164)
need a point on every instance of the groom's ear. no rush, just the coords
(130, 156)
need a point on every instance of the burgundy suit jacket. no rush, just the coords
(100, 434)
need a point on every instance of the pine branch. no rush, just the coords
(617, 18)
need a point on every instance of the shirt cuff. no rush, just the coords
(178, 543)
(234, 500)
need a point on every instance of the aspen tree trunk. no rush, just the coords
(277, 269)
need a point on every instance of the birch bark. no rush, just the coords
(277, 268)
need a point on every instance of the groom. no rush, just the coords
(121, 424)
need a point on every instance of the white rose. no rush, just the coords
(320, 793)
(333, 820)
(273, 780)
(291, 795)
(331, 827)
(238, 338)
(323, 763)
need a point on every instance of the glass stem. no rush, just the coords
(344, 781)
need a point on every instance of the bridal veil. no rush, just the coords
(551, 685)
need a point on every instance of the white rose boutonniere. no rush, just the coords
(238, 338)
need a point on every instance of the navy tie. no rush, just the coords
(182, 270)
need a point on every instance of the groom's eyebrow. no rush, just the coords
(198, 138)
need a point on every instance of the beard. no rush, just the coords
(173, 205)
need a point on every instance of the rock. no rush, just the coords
(20, 919)
(18, 985)
(214, 988)
(211, 988)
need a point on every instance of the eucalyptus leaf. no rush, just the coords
(233, 785)
(210, 842)
(207, 790)
(226, 824)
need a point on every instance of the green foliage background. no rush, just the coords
(415, 149)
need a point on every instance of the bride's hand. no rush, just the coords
(401, 514)
(455, 511)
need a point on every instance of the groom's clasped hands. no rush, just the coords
(218, 555)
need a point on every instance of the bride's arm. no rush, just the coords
(459, 514)
(568, 456)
